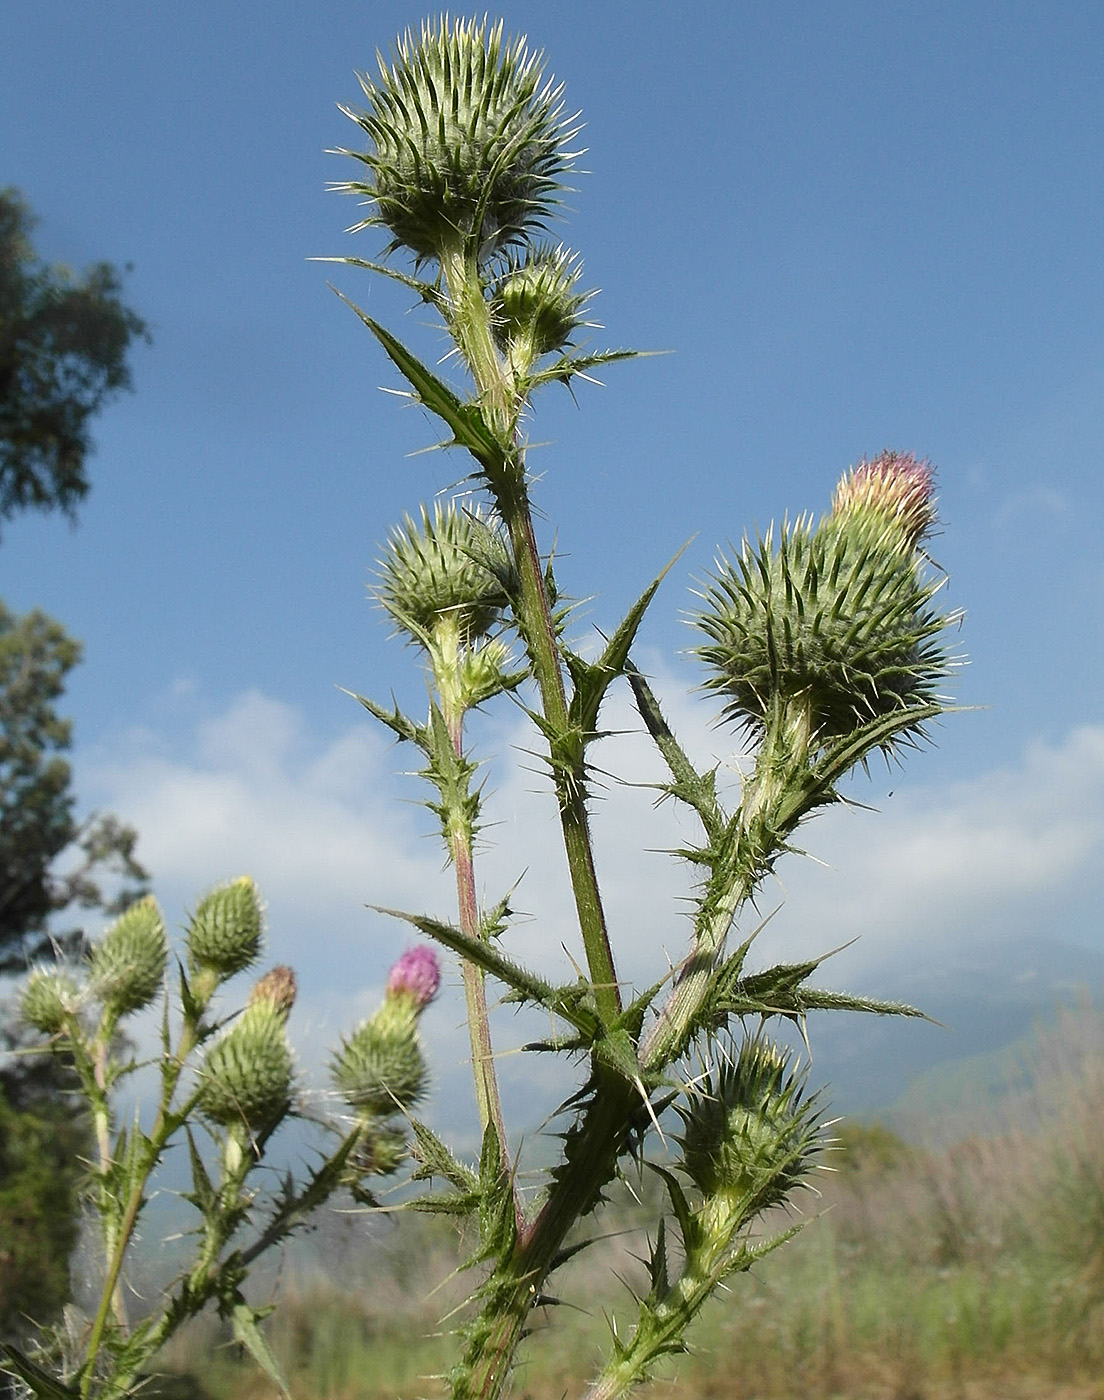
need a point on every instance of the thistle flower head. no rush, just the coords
(469, 140)
(446, 569)
(536, 305)
(749, 1133)
(836, 621)
(415, 977)
(48, 998)
(248, 1073)
(894, 490)
(128, 963)
(225, 932)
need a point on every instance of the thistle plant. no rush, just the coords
(226, 1083)
(823, 638)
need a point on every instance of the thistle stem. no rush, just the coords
(470, 324)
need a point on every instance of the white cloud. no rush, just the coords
(325, 830)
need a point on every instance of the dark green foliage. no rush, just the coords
(63, 352)
(41, 1143)
(36, 800)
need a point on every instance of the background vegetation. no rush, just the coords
(977, 1271)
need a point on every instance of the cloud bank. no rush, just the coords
(328, 829)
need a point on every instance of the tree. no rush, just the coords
(37, 822)
(63, 353)
(64, 341)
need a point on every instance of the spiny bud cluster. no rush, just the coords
(469, 144)
(127, 966)
(446, 569)
(225, 932)
(536, 305)
(749, 1132)
(837, 620)
(248, 1073)
(48, 999)
(380, 1068)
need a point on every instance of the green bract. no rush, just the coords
(469, 141)
(128, 963)
(380, 1067)
(838, 620)
(47, 999)
(247, 1075)
(432, 573)
(224, 933)
(750, 1133)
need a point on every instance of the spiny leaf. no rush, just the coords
(563, 1001)
(697, 790)
(395, 720)
(567, 366)
(466, 422)
(592, 679)
(437, 1160)
(428, 291)
(243, 1322)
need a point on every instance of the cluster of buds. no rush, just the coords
(835, 621)
(380, 1069)
(248, 1074)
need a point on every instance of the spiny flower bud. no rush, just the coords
(749, 1133)
(447, 569)
(277, 988)
(247, 1076)
(47, 999)
(128, 963)
(415, 977)
(536, 305)
(895, 490)
(836, 622)
(224, 933)
(380, 1067)
(469, 141)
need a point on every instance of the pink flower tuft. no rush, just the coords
(894, 484)
(416, 975)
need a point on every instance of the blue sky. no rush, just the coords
(854, 225)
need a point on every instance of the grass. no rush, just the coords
(975, 1273)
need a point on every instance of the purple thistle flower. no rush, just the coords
(416, 975)
(894, 484)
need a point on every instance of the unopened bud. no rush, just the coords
(894, 489)
(277, 988)
(380, 1068)
(224, 933)
(247, 1076)
(128, 963)
(48, 998)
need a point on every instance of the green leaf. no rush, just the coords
(697, 790)
(592, 679)
(466, 422)
(567, 366)
(203, 1194)
(562, 1001)
(395, 720)
(437, 1160)
(428, 292)
(45, 1386)
(243, 1322)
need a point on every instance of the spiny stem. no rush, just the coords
(469, 322)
